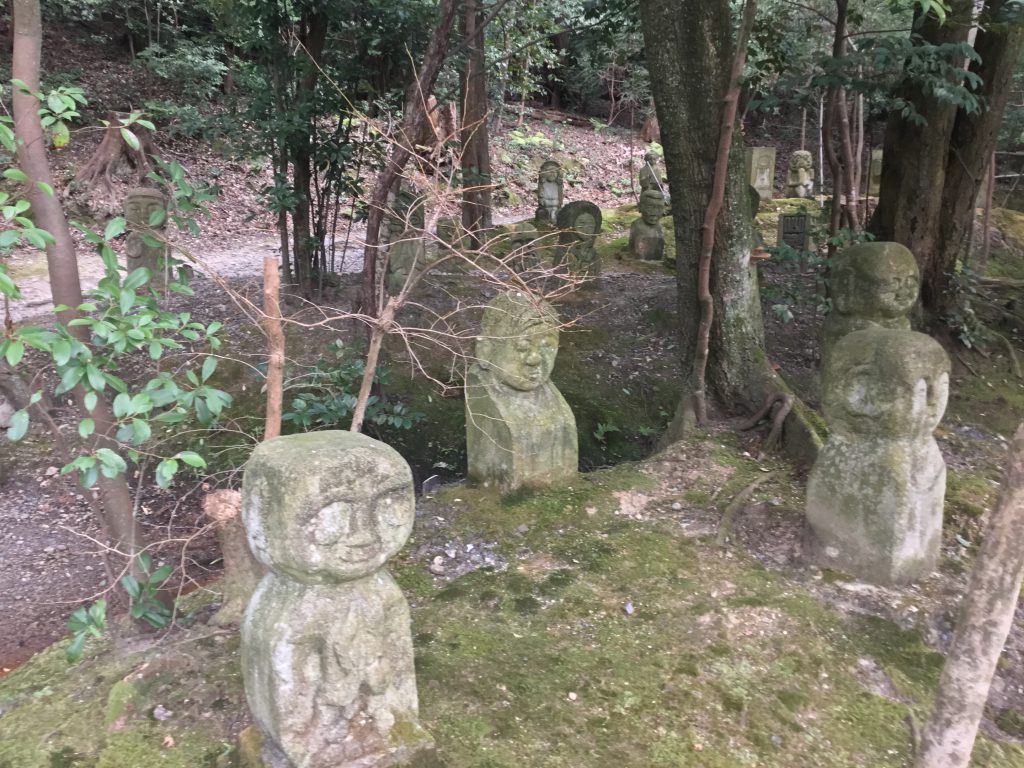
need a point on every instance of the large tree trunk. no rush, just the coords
(986, 615)
(914, 168)
(117, 519)
(476, 159)
(690, 75)
(999, 43)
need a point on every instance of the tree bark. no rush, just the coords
(111, 151)
(117, 521)
(914, 170)
(402, 150)
(986, 615)
(476, 160)
(275, 347)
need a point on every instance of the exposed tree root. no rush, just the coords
(725, 526)
(99, 169)
(785, 401)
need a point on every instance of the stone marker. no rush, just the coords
(875, 173)
(406, 254)
(579, 224)
(800, 178)
(519, 429)
(327, 655)
(875, 493)
(646, 237)
(872, 285)
(139, 205)
(550, 192)
(794, 230)
(761, 170)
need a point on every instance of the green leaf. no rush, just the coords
(209, 366)
(115, 227)
(61, 135)
(90, 401)
(141, 431)
(137, 278)
(15, 351)
(131, 586)
(86, 427)
(122, 405)
(15, 174)
(19, 426)
(9, 238)
(157, 217)
(55, 102)
(75, 650)
(113, 465)
(130, 139)
(36, 238)
(46, 188)
(192, 458)
(165, 472)
(95, 377)
(161, 574)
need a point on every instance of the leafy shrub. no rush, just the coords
(194, 68)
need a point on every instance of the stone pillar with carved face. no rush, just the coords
(550, 192)
(646, 237)
(876, 491)
(327, 655)
(873, 285)
(519, 429)
(140, 205)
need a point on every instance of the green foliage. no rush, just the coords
(194, 69)
(83, 624)
(144, 592)
(329, 397)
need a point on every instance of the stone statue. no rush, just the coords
(646, 237)
(579, 224)
(519, 429)
(800, 179)
(760, 163)
(327, 655)
(649, 178)
(875, 493)
(875, 173)
(550, 192)
(139, 205)
(406, 254)
(872, 285)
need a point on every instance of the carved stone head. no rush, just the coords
(550, 171)
(518, 341)
(139, 205)
(888, 383)
(326, 507)
(652, 206)
(874, 280)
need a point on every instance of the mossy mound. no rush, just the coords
(1008, 262)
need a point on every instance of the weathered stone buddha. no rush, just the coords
(875, 493)
(579, 224)
(646, 237)
(649, 177)
(800, 178)
(407, 254)
(327, 655)
(139, 206)
(550, 192)
(872, 285)
(519, 429)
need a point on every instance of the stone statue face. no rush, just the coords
(886, 383)
(586, 225)
(140, 205)
(651, 208)
(764, 172)
(876, 280)
(326, 508)
(517, 344)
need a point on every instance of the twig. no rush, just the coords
(725, 526)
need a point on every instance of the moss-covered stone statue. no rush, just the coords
(800, 177)
(873, 285)
(327, 655)
(649, 176)
(550, 192)
(875, 493)
(407, 254)
(519, 429)
(140, 205)
(579, 224)
(646, 237)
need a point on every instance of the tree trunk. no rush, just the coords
(476, 160)
(401, 151)
(117, 520)
(914, 170)
(973, 140)
(986, 615)
(275, 347)
(112, 151)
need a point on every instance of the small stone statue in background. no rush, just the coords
(649, 177)
(407, 253)
(872, 285)
(875, 494)
(579, 224)
(800, 179)
(139, 206)
(327, 654)
(550, 192)
(646, 237)
(519, 429)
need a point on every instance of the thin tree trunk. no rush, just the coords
(728, 122)
(275, 347)
(986, 229)
(377, 333)
(986, 615)
(401, 151)
(117, 521)
(476, 162)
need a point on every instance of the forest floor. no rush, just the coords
(785, 663)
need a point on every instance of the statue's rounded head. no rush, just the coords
(518, 341)
(140, 203)
(650, 158)
(326, 507)
(875, 279)
(651, 205)
(550, 170)
(882, 382)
